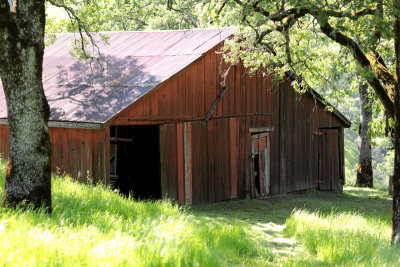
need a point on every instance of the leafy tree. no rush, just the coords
(285, 34)
(127, 15)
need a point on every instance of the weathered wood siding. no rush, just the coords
(4, 141)
(221, 147)
(78, 152)
(81, 153)
(206, 161)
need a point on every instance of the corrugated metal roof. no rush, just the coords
(138, 61)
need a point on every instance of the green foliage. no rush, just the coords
(125, 15)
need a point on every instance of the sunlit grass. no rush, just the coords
(94, 226)
(342, 238)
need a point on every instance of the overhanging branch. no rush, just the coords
(82, 28)
(365, 62)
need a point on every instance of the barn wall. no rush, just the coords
(299, 118)
(190, 95)
(199, 160)
(81, 153)
(220, 149)
(206, 161)
(78, 152)
(4, 141)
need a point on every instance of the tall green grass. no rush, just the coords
(94, 226)
(342, 238)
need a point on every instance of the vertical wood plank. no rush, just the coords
(106, 158)
(181, 95)
(233, 157)
(226, 172)
(188, 162)
(204, 162)
(180, 159)
(208, 77)
(211, 160)
(196, 163)
(218, 182)
(200, 88)
(189, 93)
(195, 90)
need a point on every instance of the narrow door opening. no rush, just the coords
(260, 149)
(256, 162)
(135, 161)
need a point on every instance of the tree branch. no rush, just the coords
(255, 7)
(365, 62)
(306, 9)
(314, 10)
(82, 27)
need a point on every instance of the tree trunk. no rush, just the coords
(364, 167)
(396, 176)
(28, 177)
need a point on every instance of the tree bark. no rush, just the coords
(364, 167)
(396, 140)
(28, 177)
(396, 175)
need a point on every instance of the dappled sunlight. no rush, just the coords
(367, 193)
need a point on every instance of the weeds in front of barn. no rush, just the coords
(94, 226)
(344, 239)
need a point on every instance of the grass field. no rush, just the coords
(94, 226)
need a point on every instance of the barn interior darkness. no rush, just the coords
(135, 161)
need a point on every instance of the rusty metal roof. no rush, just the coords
(138, 62)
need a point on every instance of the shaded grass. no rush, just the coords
(343, 229)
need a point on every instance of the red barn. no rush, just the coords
(165, 119)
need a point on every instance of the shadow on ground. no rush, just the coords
(264, 220)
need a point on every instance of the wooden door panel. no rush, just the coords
(329, 169)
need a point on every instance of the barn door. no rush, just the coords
(260, 150)
(328, 163)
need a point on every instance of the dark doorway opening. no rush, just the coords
(135, 161)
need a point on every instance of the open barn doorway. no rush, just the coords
(135, 160)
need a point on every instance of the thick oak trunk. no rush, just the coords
(396, 179)
(364, 167)
(28, 177)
